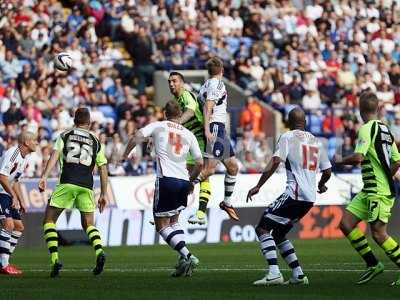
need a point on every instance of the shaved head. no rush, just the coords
(297, 118)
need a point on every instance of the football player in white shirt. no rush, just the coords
(12, 167)
(214, 98)
(303, 155)
(172, 143)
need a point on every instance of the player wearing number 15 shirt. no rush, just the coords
(303, 155)
(78, 152)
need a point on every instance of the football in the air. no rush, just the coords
(63, 61)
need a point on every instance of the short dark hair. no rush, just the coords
(172, 110)
(82, 116)
(369, 102)
(180, 75)
(214, 66)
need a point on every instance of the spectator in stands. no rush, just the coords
(295, 91)
(332, 124)
(140, 46)
(395, 129)
(251, 116)
(13, 115)
(10, 66)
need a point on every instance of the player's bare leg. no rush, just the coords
(5, 236)
(15, 235)
(348, 226)
(268, 249)
(51, 238)
(170, 230)
(87, 220)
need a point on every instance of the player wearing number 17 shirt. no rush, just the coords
(78, 151)
(302, 155)
(173, 143)
(377, 153)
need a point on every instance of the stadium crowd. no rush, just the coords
(316, 54)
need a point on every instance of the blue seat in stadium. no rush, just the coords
(46, 123)
(314, 124)
(247, 41)
(331, 147)
(108, 111)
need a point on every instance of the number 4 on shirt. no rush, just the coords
(174, 140)
(310, 157)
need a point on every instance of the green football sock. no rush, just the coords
(95, 239)
(51, 238)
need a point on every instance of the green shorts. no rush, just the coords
(371, 207)
(189, 160)
(70, 196)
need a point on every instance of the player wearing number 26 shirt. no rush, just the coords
(78, 152)
(172, 143)
(303, 155)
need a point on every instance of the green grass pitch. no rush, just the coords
(226, 272)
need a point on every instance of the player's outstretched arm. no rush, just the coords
(55, 155)
(186, 116)
(132, 142)
(269, 170)
(353, 160)
(326, 175)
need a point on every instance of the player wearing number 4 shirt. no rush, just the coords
(78, 152)
(302, 155)
(12, 167)
(173, 143)
(377, 153)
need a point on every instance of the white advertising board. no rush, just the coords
(137, 192)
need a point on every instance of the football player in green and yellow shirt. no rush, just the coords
(78, 151)
(192, 119)
(377, 153)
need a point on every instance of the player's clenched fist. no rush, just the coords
(42, 184)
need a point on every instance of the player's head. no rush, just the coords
(297, 119)
(172, 110)
(27, 142)
(215, 66)
(369, 105)
(176, 83)
(82, 117)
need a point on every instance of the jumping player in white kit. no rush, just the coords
(302, 155)
(172, 143)
(213, 97)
